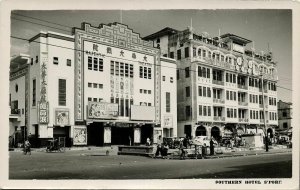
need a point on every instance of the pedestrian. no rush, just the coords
(159, 146)
(27, 146)
(129, 140)
(204, 151)
(211, 146)
(164, 151)
(181, 149)
(148, 143)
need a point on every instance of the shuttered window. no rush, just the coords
(61, 92)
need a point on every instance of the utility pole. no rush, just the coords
(264, 115)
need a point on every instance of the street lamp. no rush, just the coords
(263, 101)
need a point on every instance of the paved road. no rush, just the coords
(93, 165)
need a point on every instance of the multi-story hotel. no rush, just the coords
(100, 86)
(219, 84)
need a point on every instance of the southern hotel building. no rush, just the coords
(106, 85)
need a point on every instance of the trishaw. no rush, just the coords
(54, 146)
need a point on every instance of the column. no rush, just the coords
(107, 136)
(137, 136)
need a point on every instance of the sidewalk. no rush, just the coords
(249, 153)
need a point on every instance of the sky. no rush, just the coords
(269, 29)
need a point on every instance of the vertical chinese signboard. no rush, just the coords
(43, 113)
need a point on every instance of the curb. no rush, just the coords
(246, 154)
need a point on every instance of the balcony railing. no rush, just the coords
(242, 86)
(261, 106)
(219, 118)
(218, 82)
(244, 120)
(220, 101)
(261, 120)
(243, 104)
(15, 111)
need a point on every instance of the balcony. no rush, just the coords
(15, 114)
(219, 118)
(218, 82)
(242, 86)
(218, 101)
(243, 120)
(262, 106)
(243, 104)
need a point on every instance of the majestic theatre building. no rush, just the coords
(100, 86)
(223, 88)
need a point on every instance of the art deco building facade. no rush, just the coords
(100, 86)
(219, 84)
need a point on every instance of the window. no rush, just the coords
(250, 114)
(199, 90)
(208, 92)
(168, 100)
(171, 79)
(172, 55)
(199, 71)
(141, 72)
(95, 85)
(100, 64)
(204, 72)
(284, 114)
(164, 78)
(208, 73)
(31, 61)
(90, 64)
(112, 100)
(145, 72)
(200, 109)
(187, 111)
(187, 91)
(61, 92)
(89, 84)
(141, 91)
(95, 99)
(36, 59)
(149, 73)
(89, 99)
(145, 91)
(186, 52)
(227, 95)
(69, 63)
(131, 71)
(204, 111)
(227, 76)
(187, 72)
(204, 91)
(285, 125)
(234, 96)
(149, 91)
(179, 54)
(55, 60)
(208, 111)
(33, 92)
(177, 74)
(100, 86)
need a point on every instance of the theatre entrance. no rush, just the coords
(95, 134)
(122, 135)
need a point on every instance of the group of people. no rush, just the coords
(184, 143)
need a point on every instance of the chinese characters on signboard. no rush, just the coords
(98, 110)
(43, 113)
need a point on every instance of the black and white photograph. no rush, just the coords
(133, 97)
